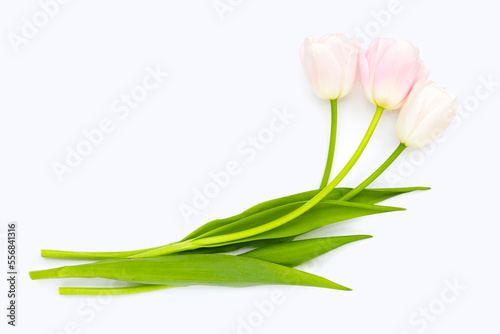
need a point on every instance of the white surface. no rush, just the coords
(225, 78)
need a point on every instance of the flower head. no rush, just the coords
(425, 114)
(389, 70)
(330, 64)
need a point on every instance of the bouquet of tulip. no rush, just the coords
(393, 77)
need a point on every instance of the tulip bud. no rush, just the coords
(427, 111)
(389, 70)
(330, 64)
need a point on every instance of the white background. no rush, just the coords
(226, 75)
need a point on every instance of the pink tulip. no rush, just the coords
(330, 64)
(389, 70)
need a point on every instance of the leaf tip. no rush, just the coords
(394, 208)
(362, 237)
(337, 286)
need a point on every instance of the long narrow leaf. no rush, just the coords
(324, 213)
(290, 254)
(198, 269)
(367, 196)
(261, 213)
(294, 253)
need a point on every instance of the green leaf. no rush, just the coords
(272, 210)
(290, 254)
(324, 213)
(197, 269)
(367, 196)
(293, 253)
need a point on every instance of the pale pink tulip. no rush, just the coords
(428, 110)
(389, 70)
(330, 64)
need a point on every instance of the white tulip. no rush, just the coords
(427, 111)
(330, 64)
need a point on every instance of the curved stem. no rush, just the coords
(212, 241)
(375, 174)
(331, 149)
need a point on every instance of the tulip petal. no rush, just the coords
(432, 125)
(395, 75)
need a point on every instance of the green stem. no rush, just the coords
(113, 291)
(375, 174)
(213, 241)
(167, 249)
(57, 254)
(331, 149)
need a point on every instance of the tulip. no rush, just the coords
(425, 114)
(389, 70)
(427, 111)
(330, 64)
